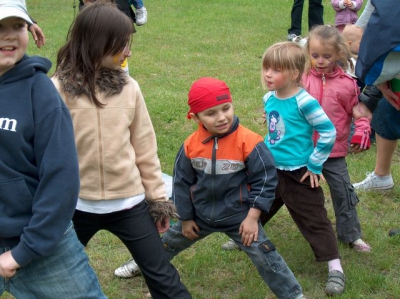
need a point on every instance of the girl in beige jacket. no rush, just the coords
(121, 186)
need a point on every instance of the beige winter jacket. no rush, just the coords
(116, 144)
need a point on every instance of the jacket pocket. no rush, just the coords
(352, 195)
(15, 198)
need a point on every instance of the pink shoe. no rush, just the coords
(361, 247)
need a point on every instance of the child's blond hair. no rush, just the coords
(288, 57)
(329, 35)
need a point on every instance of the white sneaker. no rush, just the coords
(230, 245)
(375, 182)
(141, 16)
(292, 36)
(127, 270)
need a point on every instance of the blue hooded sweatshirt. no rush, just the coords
(39, 172)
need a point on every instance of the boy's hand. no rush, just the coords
(389, 95)
(37, 35)
(314, 178)
(8, 266)
(162, 225)
(249, 227)
(190, 229)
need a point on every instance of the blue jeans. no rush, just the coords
(63, 274)
(270, 265)
(386, 121)
(137, 3)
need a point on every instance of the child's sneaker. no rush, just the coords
(230, 245)
(335, 284)
(141, 16)
(127, 270)
(394, 232)
(375, 182)
(360, 246)
(291, 36)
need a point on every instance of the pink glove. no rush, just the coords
(361, 133)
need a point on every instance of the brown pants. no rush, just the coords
(306, 206)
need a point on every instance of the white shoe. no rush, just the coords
(375, 182)
(128, 270)
(230, 245)
(141, 16)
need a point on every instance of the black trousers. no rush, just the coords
(315, 15)
(136, 229)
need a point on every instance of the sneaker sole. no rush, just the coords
(137, 273)
(384, 188)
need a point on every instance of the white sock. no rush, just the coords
(335, 265)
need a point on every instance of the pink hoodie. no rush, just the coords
(337, 93)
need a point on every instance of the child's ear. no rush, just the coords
(295, 75)
(194, 117)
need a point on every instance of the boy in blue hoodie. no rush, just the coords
(40, 255)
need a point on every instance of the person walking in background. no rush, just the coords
(346, 12)
(315, 17)
(337, 93)
(121, 182)
(40, 255)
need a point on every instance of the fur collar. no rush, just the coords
(110, 82)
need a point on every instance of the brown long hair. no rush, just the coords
(100, 29)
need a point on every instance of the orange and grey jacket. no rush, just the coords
(218, 179)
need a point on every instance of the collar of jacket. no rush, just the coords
(337, 71)
(208, 137)
(110, 82)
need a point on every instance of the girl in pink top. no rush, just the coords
(337, 93)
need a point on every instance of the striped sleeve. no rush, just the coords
(320, 122)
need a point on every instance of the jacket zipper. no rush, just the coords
(213, 175)
(321, 90)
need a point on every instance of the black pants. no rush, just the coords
(136, 229)
(315, 15)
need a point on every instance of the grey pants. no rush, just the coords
(344, 199)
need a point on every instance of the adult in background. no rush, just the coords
(379, 66)
(315, 16)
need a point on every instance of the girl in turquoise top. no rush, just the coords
(298, 162)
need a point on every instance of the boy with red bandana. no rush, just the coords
(224, 175)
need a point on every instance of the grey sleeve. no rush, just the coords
(366, 14)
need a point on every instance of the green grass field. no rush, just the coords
(182, 41)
